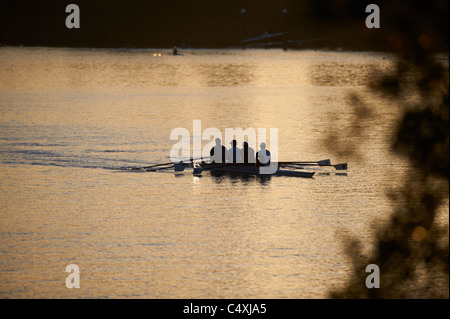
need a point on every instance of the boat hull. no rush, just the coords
(251, 170)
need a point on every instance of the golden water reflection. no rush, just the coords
(70, 119)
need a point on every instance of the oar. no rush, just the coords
(156, 169)
(325, 162)
(292, 166)
(339, 167)
(170, 163)
(157, 165)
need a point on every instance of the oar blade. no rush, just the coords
(325, 162)
(341, 167)
(197, 170)
(179, 167)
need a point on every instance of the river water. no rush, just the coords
(73, 120)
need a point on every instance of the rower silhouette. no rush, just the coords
(175, 50)
(263, 156)
(218, 152)
(234, 153)
(247, 154)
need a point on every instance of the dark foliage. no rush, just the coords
(411, 250)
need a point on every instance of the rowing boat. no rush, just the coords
(244, 170)
(236, 169)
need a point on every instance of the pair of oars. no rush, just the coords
(326, 162)
(153, 168)
(178, 166)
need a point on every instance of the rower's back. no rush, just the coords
(263, 156)
(218, 152)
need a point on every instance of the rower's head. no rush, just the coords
(218, 141)
(245, 145)
(263, 145)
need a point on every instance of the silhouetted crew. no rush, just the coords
(263, 156)
(247, 154)
(218, 152)
(234, 153)
(175, 50)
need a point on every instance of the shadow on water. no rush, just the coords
(220, 177)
